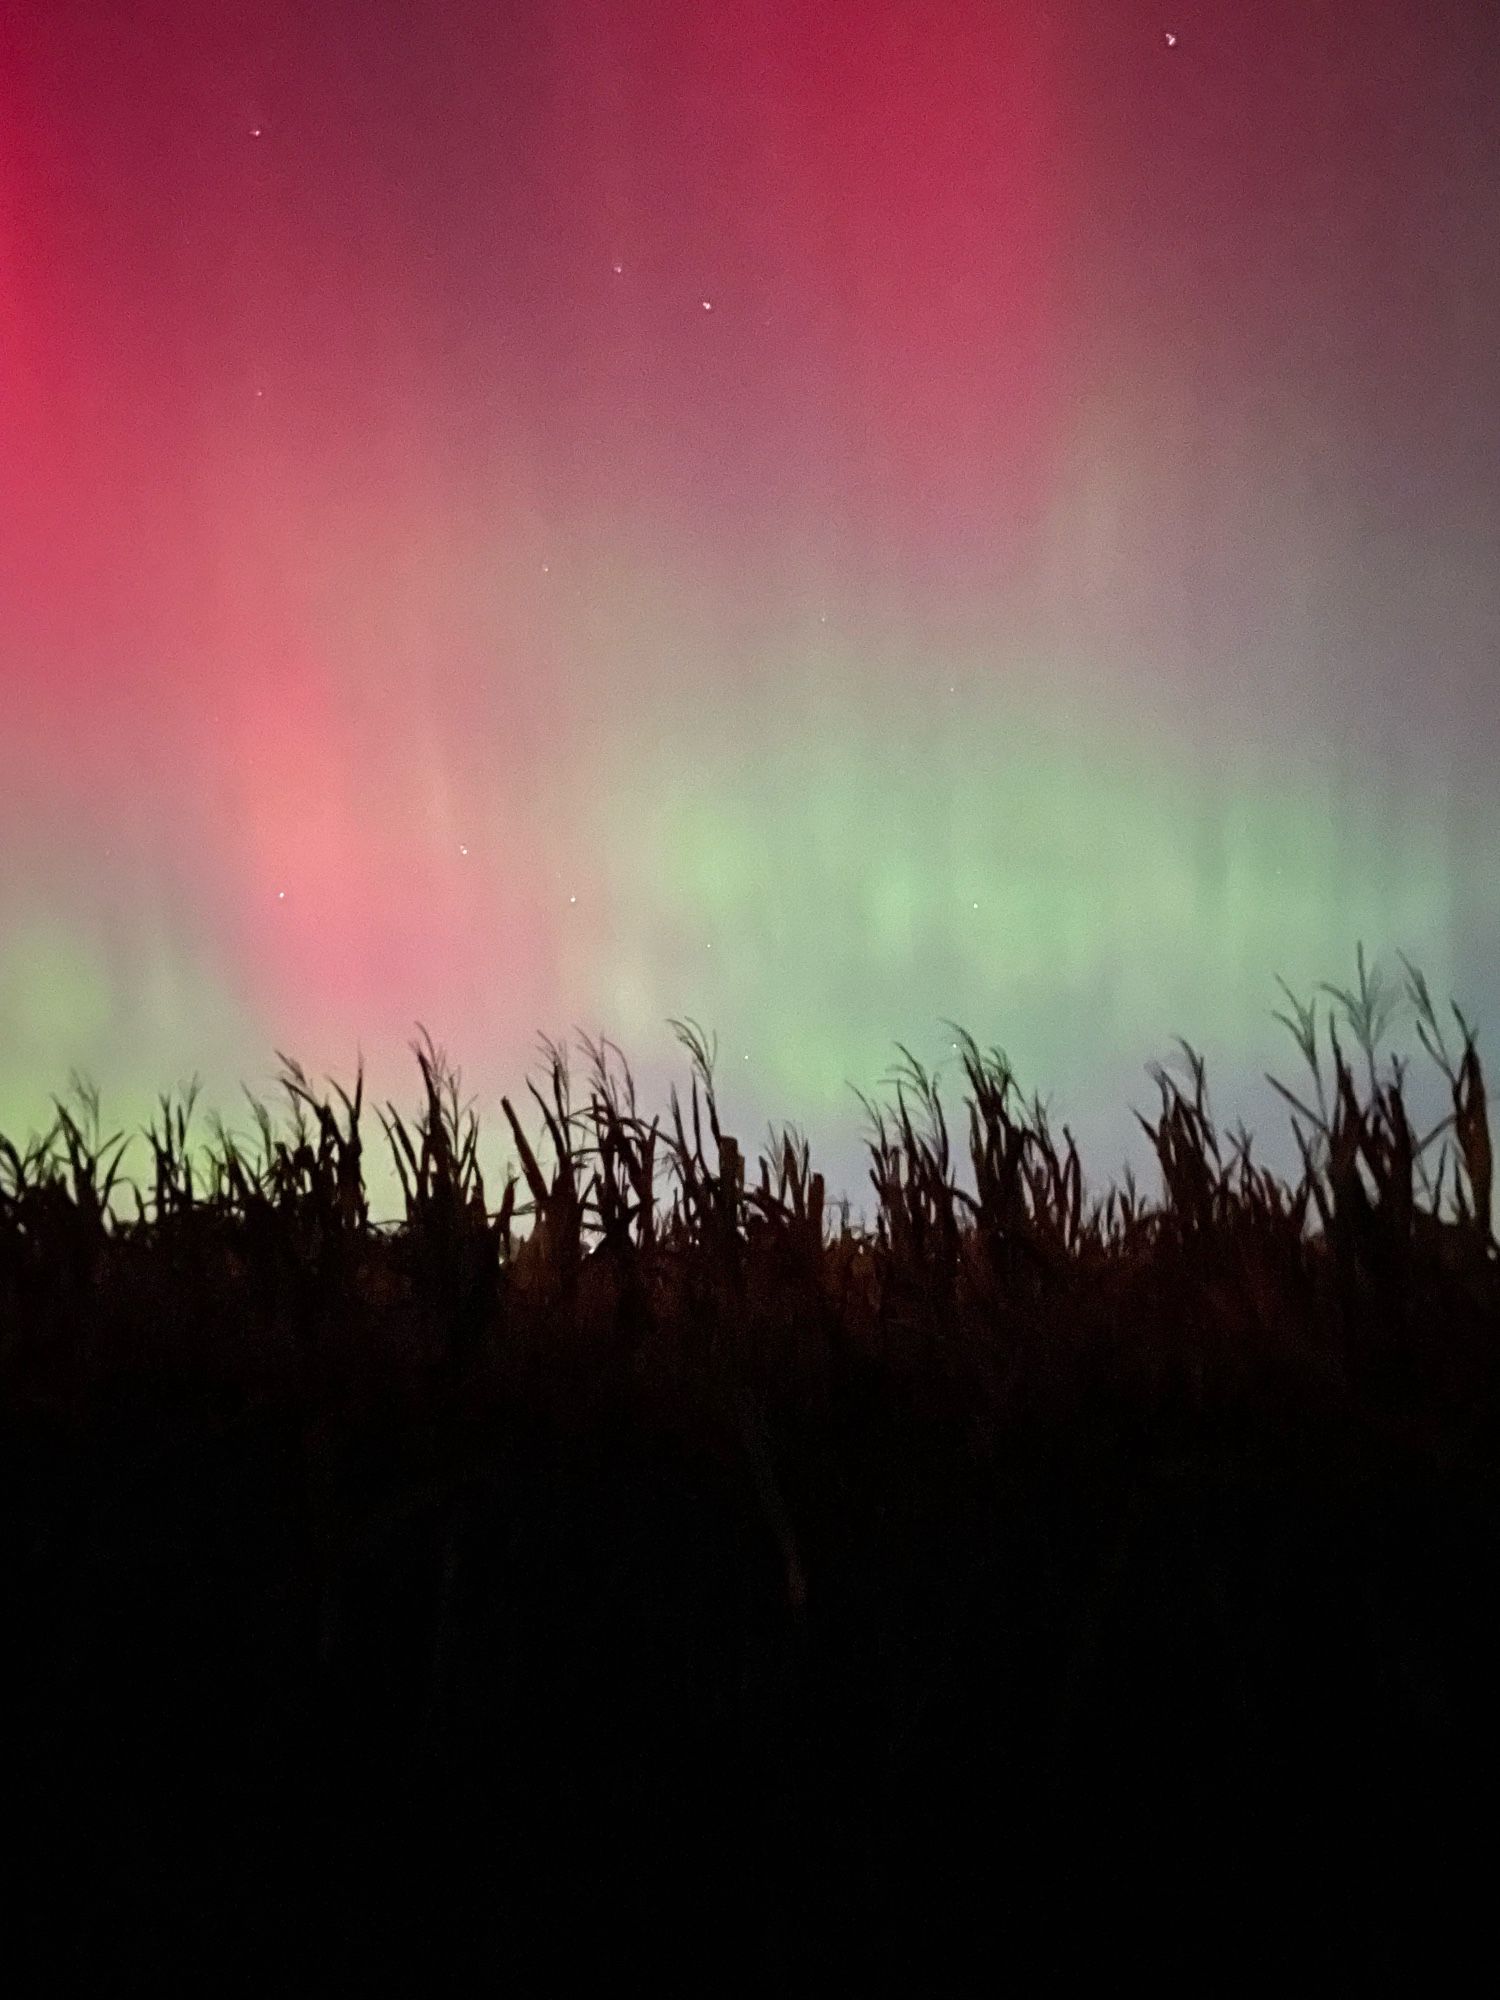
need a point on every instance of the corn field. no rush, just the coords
(696, 1582)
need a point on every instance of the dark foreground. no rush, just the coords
(1211, 1718)
(1008, 1598)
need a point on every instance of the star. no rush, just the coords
(619, 268)
(255, 131)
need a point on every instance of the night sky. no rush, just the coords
(816, 518)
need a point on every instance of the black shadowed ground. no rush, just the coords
(700, 1591)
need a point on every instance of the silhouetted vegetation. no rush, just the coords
(696, 1582)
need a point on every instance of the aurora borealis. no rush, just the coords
(814, 518)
